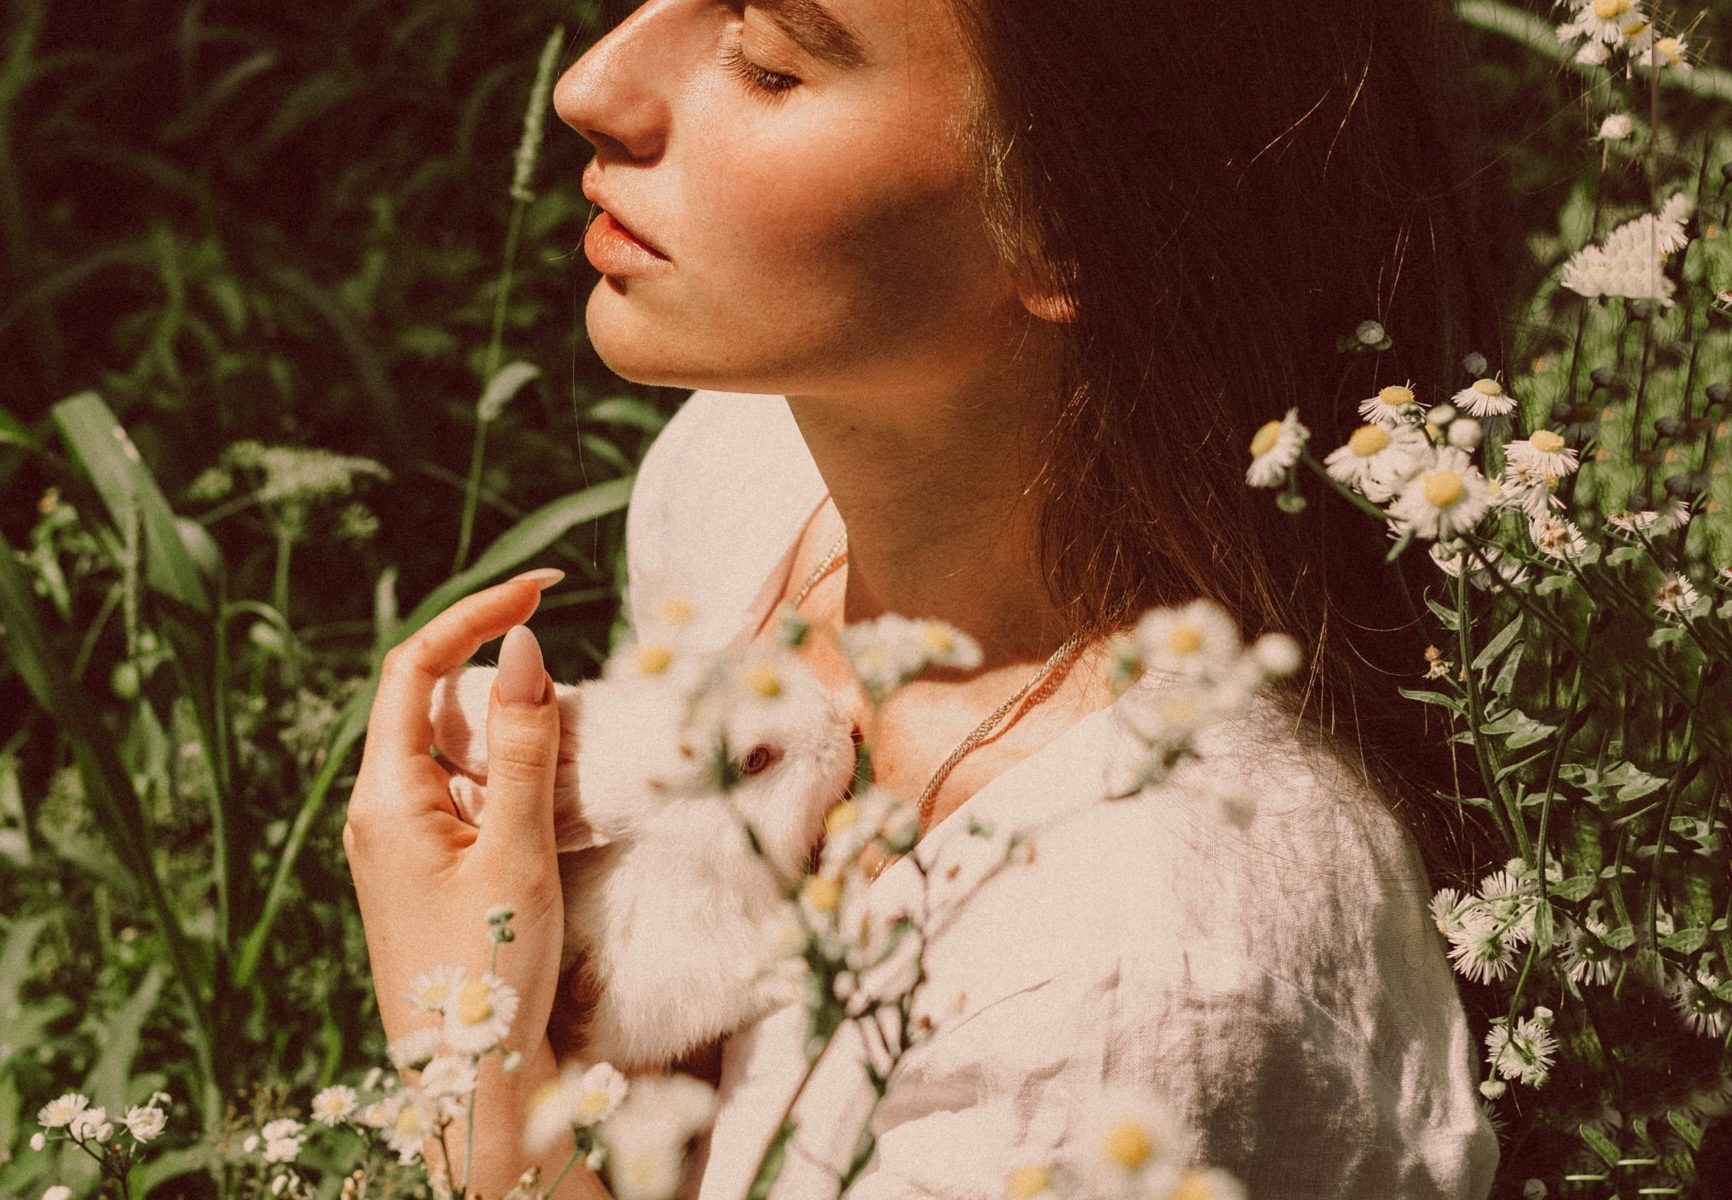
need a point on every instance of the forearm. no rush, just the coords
(502, 1104)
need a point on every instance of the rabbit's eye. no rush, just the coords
(758, 760)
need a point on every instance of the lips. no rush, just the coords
(594, 195)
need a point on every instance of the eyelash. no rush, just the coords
(755, 77)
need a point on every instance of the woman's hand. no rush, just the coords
(425, 879)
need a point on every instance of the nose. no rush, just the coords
(617, 94)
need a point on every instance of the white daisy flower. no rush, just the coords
(1676, 596)
(1558, 537)
(1484, 398)
(1524, 1052)
(1633, 521)
(1693, 998)
(1677, 515)
(1393, 405)
(58, 1192)
(1666, 53)
(1276, 654)
(38, 1141)
(407, 1119)
(1511, 901)
(1275, 448)
(1131, 1141)
(1629, 261)
(1481, 951)
(448, 1080)
(1029, 1181)
(145, 1122)
(1616, 127)
(90, 1123)
(1452, 912)
(1207, 1183)
(1197, 640)
(333, 1104)
(1446, 496)
(578, 1098)
(1601, 21)
(887, 652)
(414, 1048)
(1540, 456)
(854, 823)
(645, 1140)
(282, 1139)
(478, 1018)
(1377, 459)
(1453, 557)
(1587, 958)
(57, 1114)
(432, 990)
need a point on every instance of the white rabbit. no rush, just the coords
(671, 916)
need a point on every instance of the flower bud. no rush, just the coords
(1719, 393)
(1641, 310)
(1464, 433)
(1369, 333)
(1441, 414)
(1474, 363)
(1603, 377)
(1668, 426)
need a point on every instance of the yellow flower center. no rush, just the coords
(1128, 1143)
(1607, 10)
(654, 659)
(1368, 440)
(593, 1104)
(1265, 439)
(841, 817)
(1667, 48)
(677, 612)
(1635, 28)
(1192, 1185)
(474, 1002)
(1546, 442)
(409, 1120)
(1488, 387)
(935, 640)
(823, 893)
(434, 994)
(1395, 395)
(763, 680)
(1443, 488)
(1028, 1181)
(1184, 639)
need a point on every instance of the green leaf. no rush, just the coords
(1624, 554)
(15, 959)
(1685, 1128)
(1453, 703)
(121, 479)
(1554, 583)
(505, 384)
(119, 1042)
(1448, 616)
(1576, 887)
(1600, 1144)
(1494, 648)
(627, 410)
(1685, 941)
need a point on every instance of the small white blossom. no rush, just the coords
(333, 1104)
(578, 1098)
(407, 1119)
(38, 1141)
(1558, 537)
(1676, 596)
(1523, 1052)
(1377, 459)
(1481, 951)
(414, 1048)
(1485, 398)
(1629, 261)
(1199, 639)
(59, 1113)
(479, 1017)
(1616, 127)
(1464, 433)
(58, 1192)
(1274, 449)
(1444, 497)
(145, 1122)
(1541, 456)
(431, 990)
(90, 1123)
(1693, 998)
(1393, 405)
(887, 652)
(1587, 958)
(448, 1080)
(1132, 1142)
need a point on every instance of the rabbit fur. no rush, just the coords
(670, 915)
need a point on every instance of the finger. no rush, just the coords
(399, 725)
(522, 749)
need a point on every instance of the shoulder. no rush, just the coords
(716, 495)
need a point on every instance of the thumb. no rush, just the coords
(522, 747)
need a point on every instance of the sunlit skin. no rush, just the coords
(826, 244)
(822, 244)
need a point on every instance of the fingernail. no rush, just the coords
(541, 577)
(522, 679)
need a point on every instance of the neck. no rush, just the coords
(935, 491)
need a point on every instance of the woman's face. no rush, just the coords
(820, 231)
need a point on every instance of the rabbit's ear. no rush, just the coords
(459, 718)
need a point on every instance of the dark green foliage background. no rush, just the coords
(285, 222)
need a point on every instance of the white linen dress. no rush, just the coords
(1264, 963)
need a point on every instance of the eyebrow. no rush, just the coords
(818, 30)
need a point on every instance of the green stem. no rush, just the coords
(280, 579)
(490, 366)
(1476, 710)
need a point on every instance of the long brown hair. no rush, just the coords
(1224, 190)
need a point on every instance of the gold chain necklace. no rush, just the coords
(834, 558)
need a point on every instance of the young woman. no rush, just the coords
(983, 300)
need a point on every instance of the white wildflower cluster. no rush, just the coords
(72, 1118)
(579, 1098)
(1522, 1052)
(1600, 29)
(1213, 677)
(1486, 929)
(1129, 1144)
(645, 1139)
(891, 650)
(1631, 261)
